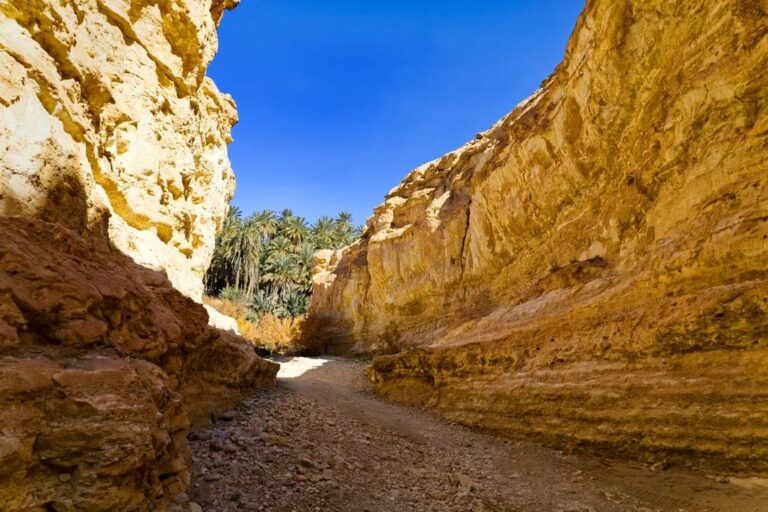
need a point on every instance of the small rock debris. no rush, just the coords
(329, 445)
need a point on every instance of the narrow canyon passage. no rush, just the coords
(321, 441)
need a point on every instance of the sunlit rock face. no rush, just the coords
(113, 178)
(591, 271)
(105, 106)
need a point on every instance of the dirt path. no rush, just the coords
(320, 441)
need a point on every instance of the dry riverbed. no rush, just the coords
(320, 441)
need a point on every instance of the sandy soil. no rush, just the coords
(321, 441)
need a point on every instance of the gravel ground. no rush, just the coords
(320, 441)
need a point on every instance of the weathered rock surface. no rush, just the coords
(113, 178)
(105, 106)
(103, 366)
(593, 270)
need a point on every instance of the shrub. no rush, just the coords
(231, 294)
(266, 331)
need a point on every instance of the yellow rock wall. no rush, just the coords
(105, 106)
(112, 144)
(593, 270)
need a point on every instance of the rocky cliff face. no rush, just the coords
(593, 270)
(113, 178)
(105, 106)
(103, 366)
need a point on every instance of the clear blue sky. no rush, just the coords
(340, 99)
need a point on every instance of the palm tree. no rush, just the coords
(231, 220)
(344, 218)
(323, 233)
(265, 260)
(281, 274)
(304, 259)
(304, 254)
(296, 304)
(344, 231)
(294, 228)
(286, 214)
(242, 249)
(220, 272)
(261, 304)
(280, 246)
(267, 222)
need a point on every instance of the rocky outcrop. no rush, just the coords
(103, 366)
(113, 178)
(105, 106)
(593, 270)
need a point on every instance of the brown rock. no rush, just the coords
(592, 271)
(82, 331)
(109, 414)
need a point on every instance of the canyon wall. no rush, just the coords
(105, 106)
(113, 179)
(591, 272)
(103, 368)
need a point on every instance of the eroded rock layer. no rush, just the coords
(593, 270)
(104, 105)
(103, 366)
(113, 178)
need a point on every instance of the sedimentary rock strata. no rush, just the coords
(593, 270)
(113, 178)
(105, 106)
(103, 366)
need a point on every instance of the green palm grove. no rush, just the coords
(265, 260)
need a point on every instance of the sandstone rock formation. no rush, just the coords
(113, 178)
(103, 365)
(104, 105)
(593, 270)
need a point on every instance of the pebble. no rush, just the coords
(181, 498)
(228, 416)
(304, 461)
(202, 436)
(273, 440)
